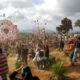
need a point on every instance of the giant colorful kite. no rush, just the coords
(8, 31)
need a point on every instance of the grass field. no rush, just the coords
(71, 71)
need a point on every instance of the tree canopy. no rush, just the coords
(66, 25)
(77, 23)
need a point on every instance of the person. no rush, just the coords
(77, 48)
(3, 65)
(31, 54)
(71, 49)
(13, 76)
(27, 74)
(43, 59)
(46, 49)
(36, 58)
(61, 44)
(18, 53)
(40, 58)
(24, 53)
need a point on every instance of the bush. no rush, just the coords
(58, 70)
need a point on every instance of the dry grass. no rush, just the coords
(71, 71)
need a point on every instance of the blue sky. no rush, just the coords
(24, 12)
(37, 2)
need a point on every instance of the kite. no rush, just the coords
(8, 31)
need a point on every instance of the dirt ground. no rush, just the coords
(71, 71)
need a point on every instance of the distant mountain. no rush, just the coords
(33, 30)
(28, 31)
(50, 31)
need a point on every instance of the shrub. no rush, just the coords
(58, 70)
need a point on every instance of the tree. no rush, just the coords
(77, 23)
(58, 29)
(66, 26)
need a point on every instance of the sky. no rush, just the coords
(24, 12)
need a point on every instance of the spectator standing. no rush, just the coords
(61, 44)
(3, 65)
(24, 53)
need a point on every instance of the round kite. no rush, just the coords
(8, 31)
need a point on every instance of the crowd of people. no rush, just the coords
(39, 55)
(39, 51)
(25, 69)
(71, 44)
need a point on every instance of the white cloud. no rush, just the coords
(15, 3)
(48, 5)
(50, 10)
